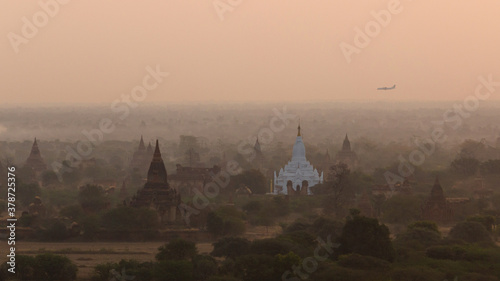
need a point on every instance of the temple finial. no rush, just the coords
(298, 134)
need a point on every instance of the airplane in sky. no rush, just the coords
(386, 88)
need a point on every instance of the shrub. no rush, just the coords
(417, 237)
(430, 225)
(177, 249)
(416, 274)
(173, 271)
(365, 236)
(204, 267)
(356, 261)
(124, 270)
(55, 232)
(223, 278)
(54, 267)
(471, 232)
(270, 247)
(231, 247)
(446, 252)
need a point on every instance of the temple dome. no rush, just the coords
(299, 150)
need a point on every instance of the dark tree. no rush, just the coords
(253, 179)
(365, 236)
(231, 247)
(466, 166)
(177, 249)
(340, 192)
(470, 231)
(92, 198)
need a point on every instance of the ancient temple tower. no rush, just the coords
(156, 193)
(436, 208)
(141, 158)
(35, 160)
(346, 155)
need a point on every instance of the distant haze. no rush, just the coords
(282, 50)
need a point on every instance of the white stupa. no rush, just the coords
(297, 172)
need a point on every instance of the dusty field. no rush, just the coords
(87, 255)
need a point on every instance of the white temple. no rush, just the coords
(299, 175)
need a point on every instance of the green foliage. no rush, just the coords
(324, 227)
(256, 267)
(204, 267)
(54, 267)
(356, 261)
(446, 252)
(303, 238)
(416, 274)
(339, 273)
(92, 198)
(418, 237)
(91, 225)
(270, 247)
(125, 268)
(253, 179)
(73, 212)
(60, 197)
(226, 220)
(282, 263)
(365, 236)
(43, 267)
(177, 249)
(401, 209)
(470, 231)
(297, 226)
(27, 192)
(126, 218)
(280, 206)
(430, 225)
(231, 247)
(466, 166)
(253, 207)
(25, 268)
(487, 221)
(56, 231)
(223, 278)
(171, 270)
(49, 177)
(26, 220)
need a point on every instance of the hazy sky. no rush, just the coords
(281, 50)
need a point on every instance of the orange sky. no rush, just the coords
(281, 50)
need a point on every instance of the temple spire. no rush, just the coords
(157, 153)
(346, 146)
(149, 149)
(298, 134)
(157, 173)
(141, 144)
